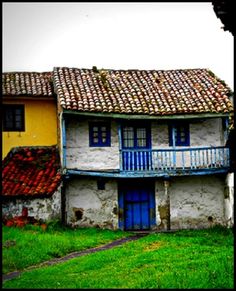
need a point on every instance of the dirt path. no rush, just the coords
(115, 243)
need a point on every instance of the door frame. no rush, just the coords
(136, 157)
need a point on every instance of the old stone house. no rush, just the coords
(31, 166)
(143, 149)
(31, 180)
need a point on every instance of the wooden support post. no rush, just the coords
(173, 143)
(120, 146)
(63, 143)
(167, 195)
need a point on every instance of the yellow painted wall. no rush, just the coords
(40, 125)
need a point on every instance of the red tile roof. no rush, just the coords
(141, 91)
(31, 171)
(27, 84)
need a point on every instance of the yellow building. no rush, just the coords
(29, 115)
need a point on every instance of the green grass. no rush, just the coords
(185, 259)
(24, 247)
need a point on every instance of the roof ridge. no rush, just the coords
(106, 69)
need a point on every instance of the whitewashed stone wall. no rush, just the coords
(80, 156)
(160, 135)
(229, 200)
(39, 208)
(203, 133)
(195, 202)
(207, 132)
(87, 206)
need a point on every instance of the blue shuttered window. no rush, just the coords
(181, 134)
(99, 134)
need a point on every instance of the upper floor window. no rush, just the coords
(13, 117)
(99, 134)
(136, 136)
(180, 132)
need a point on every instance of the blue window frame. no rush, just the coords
(136, 136)
(181, 134)
(99, 134)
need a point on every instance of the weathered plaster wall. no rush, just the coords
(229, 200)
(160, 135)
(79, 155)
(195, 202)
(40, 208)
(207, 132)
(87, 206)
(203, 133)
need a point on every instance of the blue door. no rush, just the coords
(136, 199)
(136, 145)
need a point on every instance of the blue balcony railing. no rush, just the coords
(175, 160)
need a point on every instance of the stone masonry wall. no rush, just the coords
(207, 132)
(195, 202)
(40, 208)
(229, 199)
(79, 155)
(87, 206)
(203, 133)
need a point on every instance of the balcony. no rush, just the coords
(178, 161)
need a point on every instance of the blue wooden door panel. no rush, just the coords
(136, 216)
(145, 223)
(137, 209)
(136, 205)
(128, 216)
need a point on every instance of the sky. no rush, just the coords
(38, 36)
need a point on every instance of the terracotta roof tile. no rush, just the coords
(27, 83)
(141, 91)
(31, 171)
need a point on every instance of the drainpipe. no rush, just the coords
(167, 195)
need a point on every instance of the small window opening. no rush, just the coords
(210, 219)
(78, 214)
(101, 184)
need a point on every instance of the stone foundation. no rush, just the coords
(194, 202)
(87, 206)
(39, 208)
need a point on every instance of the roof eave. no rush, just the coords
(145, 116)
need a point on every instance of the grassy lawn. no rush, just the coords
(24, 247)
(181, 260)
